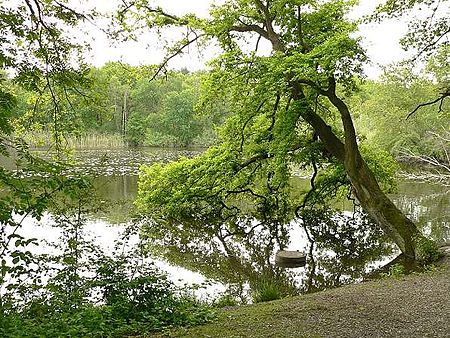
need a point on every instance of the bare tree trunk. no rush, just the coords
(382, 210)
(124, 112)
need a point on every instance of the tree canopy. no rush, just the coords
(290, 109)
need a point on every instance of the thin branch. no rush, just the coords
(311, 191)
(431, 44)
(439, 99)
(250, 191)
(159, 11)
(251, 28)
(40, 15)
(253, 159)
(314, 85)
(275, 109)
(247, 122)
(33, 14)
(442, 179)
(254, 55)
(440, 136)
(300, 30)
(179, 50)
(78, 15)
(126, 7)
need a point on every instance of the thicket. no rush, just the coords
(73, 286)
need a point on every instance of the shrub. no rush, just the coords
(130, 306)
(266, 291)
(225, 300)
(427, 251)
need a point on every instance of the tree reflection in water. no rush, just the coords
(340, 249)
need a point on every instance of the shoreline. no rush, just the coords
(415, 305)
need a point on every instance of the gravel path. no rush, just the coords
(413, 306)
(417, 306)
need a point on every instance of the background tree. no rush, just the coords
(427, 36)
(382, 109)
(176, 120)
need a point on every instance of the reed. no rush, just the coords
(91, 140)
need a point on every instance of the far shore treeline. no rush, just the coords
(120, 105)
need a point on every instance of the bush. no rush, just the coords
(427, 251)
(397, 271)
(225, 300)
(129, 306)
(91, 294)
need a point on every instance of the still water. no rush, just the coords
(335, 257)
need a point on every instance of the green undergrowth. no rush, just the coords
(128, 307)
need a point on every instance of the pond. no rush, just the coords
(335, 257)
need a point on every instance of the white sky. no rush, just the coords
(380, 40)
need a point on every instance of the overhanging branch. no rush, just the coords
(178, 51)
(439, 99)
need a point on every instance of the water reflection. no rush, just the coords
(243, 262)
(428, 205)
(341, 247)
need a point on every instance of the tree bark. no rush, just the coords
(125, 112)
(365, 186)
(382, 210)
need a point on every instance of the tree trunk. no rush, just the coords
(125, 112)
(382, 210)
(365, 186)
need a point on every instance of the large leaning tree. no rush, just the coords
(287, 111)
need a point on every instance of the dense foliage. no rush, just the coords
(120, 101)
(292, 110)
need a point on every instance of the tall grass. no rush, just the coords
(96, 140)
(92, 140)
